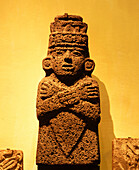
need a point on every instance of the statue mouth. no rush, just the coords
(68, 67)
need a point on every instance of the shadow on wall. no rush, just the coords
(106, 132)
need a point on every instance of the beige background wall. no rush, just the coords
(113, 42)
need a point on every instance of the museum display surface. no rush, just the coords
(68, 102)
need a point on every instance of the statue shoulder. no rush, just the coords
(90, 79)
(46, 88)
(46, 80)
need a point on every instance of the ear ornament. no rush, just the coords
(89, 65)
(47, 65)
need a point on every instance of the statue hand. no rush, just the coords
(47, 90)
(89, 90)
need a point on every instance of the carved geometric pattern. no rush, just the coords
(126, 154)
(68, 23)
(11, 159)
(68, 39)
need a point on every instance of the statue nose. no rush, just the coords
(68, 58)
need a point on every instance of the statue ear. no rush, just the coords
(47, 63)
(89, 65)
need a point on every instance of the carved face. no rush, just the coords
(68, 61)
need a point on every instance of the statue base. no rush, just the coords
(73, 167)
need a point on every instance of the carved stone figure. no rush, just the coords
(125, 154)
(68, 104)
(11, 160)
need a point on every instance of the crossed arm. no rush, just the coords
(82, 99)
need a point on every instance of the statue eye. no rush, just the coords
(76, 53)
(59, 52)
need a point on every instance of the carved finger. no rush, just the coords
(43, 96)
(93, 87)
(42, 91)
(11, 164)
(92, 93)
(90, 88)
(43, 87)
(46, 86)
(7, 160)
(48, 83)
(87, 84)
(92, 97)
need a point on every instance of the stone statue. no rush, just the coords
(11, 160)
(68, 104)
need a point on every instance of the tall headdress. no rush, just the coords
(68, 31)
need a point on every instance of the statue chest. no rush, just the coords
(67, 129)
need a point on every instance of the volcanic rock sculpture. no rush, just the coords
(126, 154)
(11, 159)
(68, 104)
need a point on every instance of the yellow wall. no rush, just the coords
(113, 42)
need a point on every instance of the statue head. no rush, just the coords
(68, 47)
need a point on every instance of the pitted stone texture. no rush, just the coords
(68, 104)
(68, 30)
(68, 23)
(68, 39)
(65, 127)
(125, 154)
(68, 122)
(11, 159)
(49, 151)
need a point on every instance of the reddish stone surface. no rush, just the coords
(125, 154)
(11, 159)
(68, 105)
